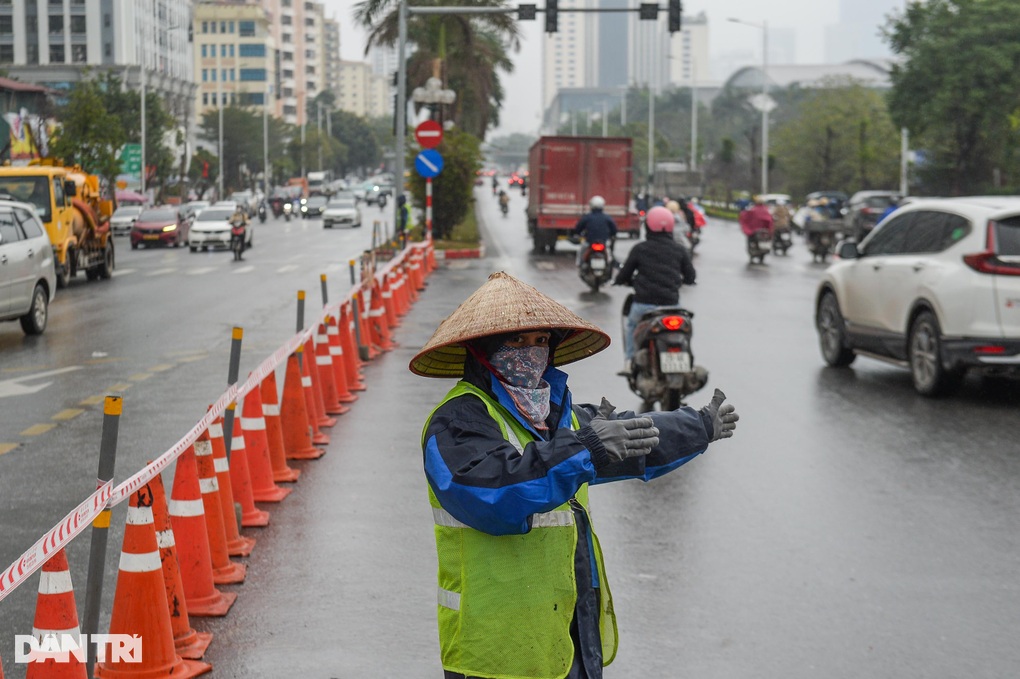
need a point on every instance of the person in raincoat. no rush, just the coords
(508, 457)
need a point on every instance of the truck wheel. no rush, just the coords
(34, 322)
(106, 268)
(64, 272)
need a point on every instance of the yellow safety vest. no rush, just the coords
(506, 602)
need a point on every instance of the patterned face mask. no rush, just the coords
(521, 366)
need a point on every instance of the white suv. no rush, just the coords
(935, 286)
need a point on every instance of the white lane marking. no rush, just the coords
(244, 269)
(160, 272)
(287, 267)
(13, 388)
(201, 270)
(123, 272)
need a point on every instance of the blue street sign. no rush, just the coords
(429, 163)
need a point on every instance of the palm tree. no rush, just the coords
(472, 51)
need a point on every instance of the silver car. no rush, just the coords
(28, 279)
(124, 218)
(341, 211)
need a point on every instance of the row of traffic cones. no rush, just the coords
(176, 553)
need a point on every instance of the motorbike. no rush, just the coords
(759, 244)
(694, 237)
(821, 244)
(237, 234)
(382, 201)
(288, 208)
(262, 213)
(596, 265)
(782, 240)
(663, 370)
(504, 208)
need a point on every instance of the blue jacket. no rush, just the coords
(489, 486)
(596, 227)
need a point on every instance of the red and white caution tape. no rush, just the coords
(74, 523)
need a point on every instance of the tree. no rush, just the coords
(126, 105)
(472, 49)
(955, 88)
(89, 135)
(243, 143)
(453, 189)
(358, 136)
(839, 137)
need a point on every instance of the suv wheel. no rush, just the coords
(832, 333)
(930, 377)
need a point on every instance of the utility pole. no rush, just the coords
(265, 139)
(219, 103)
(318, 138)
(694, 118)
(142, 80)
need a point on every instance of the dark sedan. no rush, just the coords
(313, 206)
(160, 226)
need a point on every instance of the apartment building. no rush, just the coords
(234, 57)
(362, 92)
(54, 42)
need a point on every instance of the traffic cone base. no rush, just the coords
(306, 454)
(213, 606)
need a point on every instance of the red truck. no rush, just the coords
(565, 172)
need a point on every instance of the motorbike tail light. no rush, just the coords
(988, 261)
(598, 247)
(672, 322)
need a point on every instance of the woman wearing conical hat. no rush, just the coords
(509, 458)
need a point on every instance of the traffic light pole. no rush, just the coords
(674, 9)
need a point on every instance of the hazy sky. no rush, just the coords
(521, 112)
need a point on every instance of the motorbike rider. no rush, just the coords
(495, 184)
(656, 267)
(596, 227)
(504, 201)
(239, 228)
(679, 232)
(756, 218)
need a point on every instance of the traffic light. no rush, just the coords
(676, 11)
(648, 11)
(526, 12)
(552, 15)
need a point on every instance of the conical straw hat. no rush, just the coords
(504, 304)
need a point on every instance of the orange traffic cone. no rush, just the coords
(327, 376)
(336, 352)
(256, 443)
(399, 292)
(389, 305)
(369, 341)
(311, 354)
(350, 345)
(297, 432)
(56, 615)
(187, 642)
(319, 438)
(378, 316)
(139, 604)
(274, 432)
(237, 544)
(187, 516)
(240, 480)
(225, 571)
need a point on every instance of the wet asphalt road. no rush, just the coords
(849, 529)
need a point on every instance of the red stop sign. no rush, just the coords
(429, 134)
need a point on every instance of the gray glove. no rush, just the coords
(624, 438)
(723, 417)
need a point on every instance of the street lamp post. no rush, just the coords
(765, 105)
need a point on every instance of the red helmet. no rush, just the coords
(659, 219)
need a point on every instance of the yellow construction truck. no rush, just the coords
(76, 216)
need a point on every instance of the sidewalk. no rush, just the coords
(342, 582)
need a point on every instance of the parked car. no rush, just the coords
(163, 225)
(124, 218)
(936, 286)
(864, 209)
(212, 229)
(28, 279)
(341, 210)
(313, 206)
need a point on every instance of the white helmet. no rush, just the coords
(597, 202)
